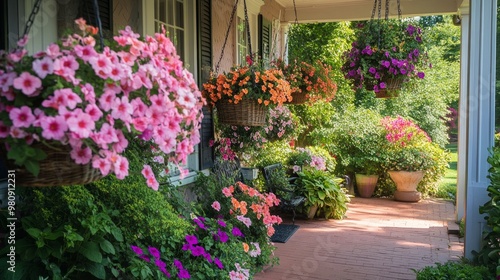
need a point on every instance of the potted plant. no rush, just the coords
(408, 155)
(324, 192)
(82, 104)
(309, 82)
(385, 54)
(367, 169)
(242, 94)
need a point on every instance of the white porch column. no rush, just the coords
(481, 117)
(285, 27)
(462, 113)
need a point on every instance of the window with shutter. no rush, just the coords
(205, 65)
(265, 34)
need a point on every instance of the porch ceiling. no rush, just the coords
(342, 10)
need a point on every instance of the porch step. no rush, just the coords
(453, 227)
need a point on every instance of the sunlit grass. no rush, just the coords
(448, 185)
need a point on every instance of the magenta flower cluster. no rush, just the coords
(155, 256)
(75, 94)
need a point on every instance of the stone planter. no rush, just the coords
(366, 184)
(406, 185)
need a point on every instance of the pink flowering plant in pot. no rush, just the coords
(385, 52)
(95, 100)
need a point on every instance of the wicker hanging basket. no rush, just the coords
(298, 98)
(393, 86)
(247, 112)
(58, 169)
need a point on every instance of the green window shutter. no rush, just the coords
(265, 38)
(205, 65)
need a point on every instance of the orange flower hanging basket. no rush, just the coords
(248, 112)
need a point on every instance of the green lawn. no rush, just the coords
(448, 185)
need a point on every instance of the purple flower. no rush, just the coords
(372, 70)
(222, 236)
(410, 29)
(382, 85)
(191, 239)
(137, 250)
(183, 274)
(421, 75)
(208, 257)
(221, 223)
(218, 263)
(403, 71)
(237, 232)
(187, 247)
(385, 63)
(178, 264)
(387, 54)
(145, 258)
(160, 264)
(377, 76)
(154, 252)
(419, 39)
(162, 267)
(199, 222)
(197, 251)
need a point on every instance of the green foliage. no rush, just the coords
(323, 189)
(489, 254)
(82, 232)
(454, 271)
(313, 119)
(67, 235)
(355, 140)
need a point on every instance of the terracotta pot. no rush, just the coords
(366, 184)
(406, 181)
(312, 211)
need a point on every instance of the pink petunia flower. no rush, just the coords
(216, 205)
(53, 127)
(27, 83)
(22, 117)
(81, 155)
(103, 164)
(43, 67)
(81, 124)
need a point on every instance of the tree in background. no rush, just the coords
(427, 102)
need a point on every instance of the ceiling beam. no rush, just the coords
(362, 10)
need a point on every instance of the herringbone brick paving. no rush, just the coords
(379, 239)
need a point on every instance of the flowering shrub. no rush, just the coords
(280, 125)
(304, 157)
(407, 145)
(268, 86)
(385, 50)
(312, 80)
(75, 94)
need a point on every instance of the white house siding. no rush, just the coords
(44, 28)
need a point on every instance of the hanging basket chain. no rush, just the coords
(231, 19)
(400, 14)
(247, 25)
(99, 24)
(31, 19)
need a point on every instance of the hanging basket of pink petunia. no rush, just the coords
(67, 113)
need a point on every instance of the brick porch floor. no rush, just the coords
(379, 239)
